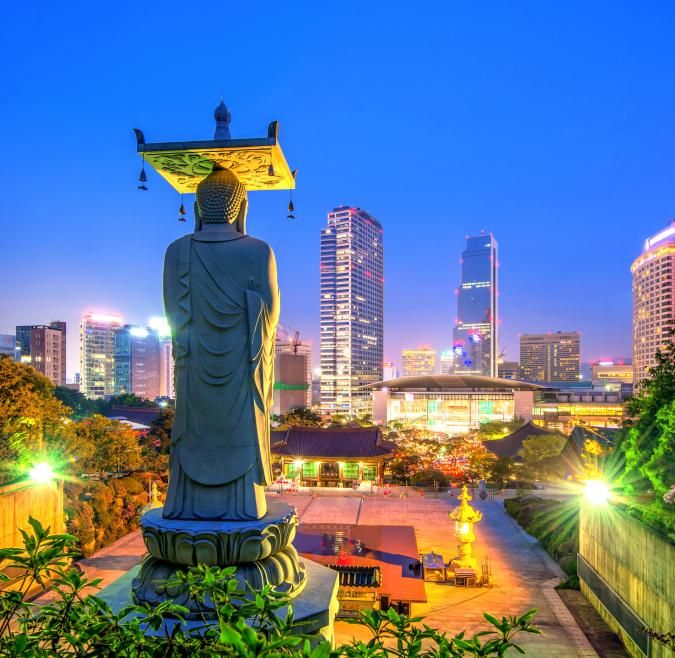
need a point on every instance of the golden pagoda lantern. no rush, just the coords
(464, 517)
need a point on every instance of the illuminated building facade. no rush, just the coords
(166, 366)
(563, 410)
(454, 404)
(137, 362)
(352, 308)
(97, 354)
(552, 357)
(475, 336)
(447, 362)
(611, 373)
(653, 300)
(44, 348)
(389, 371)
(418, 362)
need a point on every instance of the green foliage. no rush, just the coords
(430, 477)
(104, 445)
(555, 524)
(646, 439)
(81, 406)
(160, 431)
(302, 417)
(76, 623)
(496, 429)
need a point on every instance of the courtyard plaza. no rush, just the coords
(523, 574)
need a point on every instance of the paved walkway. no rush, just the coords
(523, 573)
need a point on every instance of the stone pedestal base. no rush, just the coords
(283, 570)
(314, 608)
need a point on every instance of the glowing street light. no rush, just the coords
(41, 473)
(596, 492)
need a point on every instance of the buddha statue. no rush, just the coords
(222, 302)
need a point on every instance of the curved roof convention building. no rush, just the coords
(453, 383)
(454, 404)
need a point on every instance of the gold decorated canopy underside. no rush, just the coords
(184, 168)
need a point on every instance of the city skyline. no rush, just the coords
(565, 158)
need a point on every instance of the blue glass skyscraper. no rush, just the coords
(475, 336)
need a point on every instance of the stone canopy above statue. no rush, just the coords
(259, 163)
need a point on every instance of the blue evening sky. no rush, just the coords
(550, 124)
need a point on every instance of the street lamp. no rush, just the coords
(41, 473)
(596, 492)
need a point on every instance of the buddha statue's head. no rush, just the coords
(221, 199)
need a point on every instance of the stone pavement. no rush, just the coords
(523, 573)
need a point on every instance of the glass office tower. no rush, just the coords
(475, 335)
(352, 307)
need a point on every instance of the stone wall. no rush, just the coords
(627, 572)
(18, 501)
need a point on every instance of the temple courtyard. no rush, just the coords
(523, 574)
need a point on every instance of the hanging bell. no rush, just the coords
(181, 212)
(291, 207)
(143, 177)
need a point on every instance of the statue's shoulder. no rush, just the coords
(174, 247)
(258, 246)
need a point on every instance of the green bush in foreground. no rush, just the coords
(78, 624)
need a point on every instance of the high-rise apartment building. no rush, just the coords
(475, 336)
(160, 325)
(508, 370)
(97, 354)
(352, 308)
(653, 300)
(137, 362)
(44, 347)
(552, 357)
(418, 362)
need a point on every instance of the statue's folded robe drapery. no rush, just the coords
(223, 318)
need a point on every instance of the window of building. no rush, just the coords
(310, 470)
(350, 471)
(291, 470)
(370, 472)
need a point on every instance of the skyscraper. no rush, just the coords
(352, 308)
(44, 347)
(418, 362)
(160, 325)
(475, 337)
(552, 357)
(137, 362)
(653, 300)
(447, 362)
(97, 354)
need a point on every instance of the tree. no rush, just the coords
(541, 456)
(497, 429)
(160, 431)
(301, 417)
(646, 439)
(30, 413)
(105, 445)
(80, 405)
(502, 470)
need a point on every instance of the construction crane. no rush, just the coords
(296, 342)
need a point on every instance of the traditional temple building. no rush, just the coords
(333, 457)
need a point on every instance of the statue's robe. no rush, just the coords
(222, 302)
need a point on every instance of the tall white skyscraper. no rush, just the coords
(475, 337)
(653, 300)
(352, 309)
(97, 354)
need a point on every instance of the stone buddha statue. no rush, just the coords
(222, 302)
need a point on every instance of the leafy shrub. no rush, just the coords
(248, 624)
